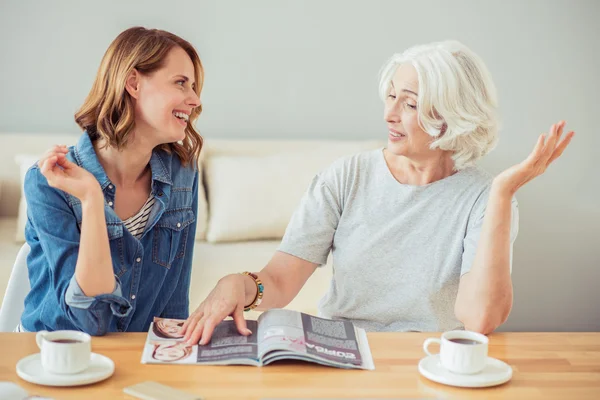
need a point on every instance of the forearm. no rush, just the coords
(94, 269)
(485, 293)
(282, 279)
(274, 295)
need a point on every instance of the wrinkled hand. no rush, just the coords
(66, 175)
(226, 299)
(543, 154)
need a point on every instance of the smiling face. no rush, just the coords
(164, 99)
(405, 135)
(169, 327)
(171, 352)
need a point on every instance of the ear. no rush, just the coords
(443, 129)
(132, 83)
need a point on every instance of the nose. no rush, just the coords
(193, 100)
(390, 113)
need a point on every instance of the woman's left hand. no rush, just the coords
(543, 154)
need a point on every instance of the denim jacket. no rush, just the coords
(152, 273)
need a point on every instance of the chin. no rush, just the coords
(397, 149)
(173, 137)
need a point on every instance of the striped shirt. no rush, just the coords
(136, 224)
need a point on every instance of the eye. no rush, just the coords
(180, 82)
(391, 96)
(411, 106)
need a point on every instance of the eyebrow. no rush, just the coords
(404, 90)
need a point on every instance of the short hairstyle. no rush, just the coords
(457, 101)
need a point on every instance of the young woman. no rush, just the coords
(112, 220)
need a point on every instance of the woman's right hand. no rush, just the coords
(67, 176)
(226, 299)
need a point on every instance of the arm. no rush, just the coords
(484, 298)
(306, 244)
(94, 269)
(80, 263)
(284, 275)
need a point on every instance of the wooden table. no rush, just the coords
(545, 366)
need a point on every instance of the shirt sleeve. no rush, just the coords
(473, 234)
(309, 234)
(53, 234)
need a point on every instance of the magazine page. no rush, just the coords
(286, 334)
(280, 329)
(332, 340)
(227, 346)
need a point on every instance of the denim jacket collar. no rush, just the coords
(86, 157)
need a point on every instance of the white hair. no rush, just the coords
(455, 90)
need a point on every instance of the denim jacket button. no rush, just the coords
(138, 259)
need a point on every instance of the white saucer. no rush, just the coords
(30, 369)
(496, 372)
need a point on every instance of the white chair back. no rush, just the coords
(16, 291)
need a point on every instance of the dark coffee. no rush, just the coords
(464, 341)
(65, 341)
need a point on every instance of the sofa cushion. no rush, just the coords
(253, 197)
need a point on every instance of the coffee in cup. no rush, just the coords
(461, 352)
(64, 352)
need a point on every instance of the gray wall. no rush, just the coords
(308, 69)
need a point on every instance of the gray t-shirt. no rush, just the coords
(398, 250)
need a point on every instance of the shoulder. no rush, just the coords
(351, 166)
(35, 182)
(39, 195)
(477, 183)
(475, 178)
(181, 175)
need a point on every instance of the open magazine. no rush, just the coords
(277, 335)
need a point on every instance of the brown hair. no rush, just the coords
(108, 111)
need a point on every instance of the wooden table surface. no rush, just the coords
(545, 366)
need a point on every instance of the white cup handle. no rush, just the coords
(428, 342)
(39, 337)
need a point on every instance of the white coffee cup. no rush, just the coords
(461, 352)
(64, 352)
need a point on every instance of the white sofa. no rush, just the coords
(251, 188)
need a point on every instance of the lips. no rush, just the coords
(180, 121)
(396, 133)
(396, 136)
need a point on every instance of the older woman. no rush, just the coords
(421, 237)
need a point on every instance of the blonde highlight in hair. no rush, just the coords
(108, 111)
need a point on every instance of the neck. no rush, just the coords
(127, 167)
(420, 172)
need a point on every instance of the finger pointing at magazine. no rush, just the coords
(226, 299)
(280, 282)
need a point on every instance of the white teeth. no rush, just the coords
(182, 116)
(395, 134)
